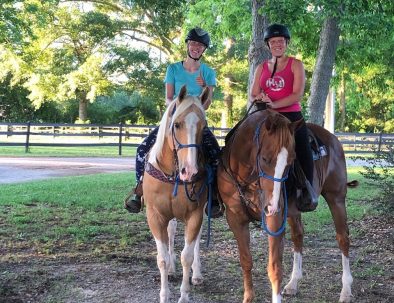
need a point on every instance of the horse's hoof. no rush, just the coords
(288, 291)
(183, 300)
(197, 281)
(345, 299)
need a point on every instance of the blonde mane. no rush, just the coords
(166, 123)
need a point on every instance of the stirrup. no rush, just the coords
(309, 199)
(133, 203)
(217, 209)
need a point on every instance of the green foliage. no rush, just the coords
(379, 172)
(122, 107)
(66, 52)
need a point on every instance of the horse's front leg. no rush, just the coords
(163, 260)
(192, 230)
(197, 277)
(159, 231)
(239, 225)
(275, 270)
(297, 237)
(171, 229)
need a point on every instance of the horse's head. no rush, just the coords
(277, 152)
(186, 132)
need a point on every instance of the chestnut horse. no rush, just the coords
(255, 163)
(175, 160)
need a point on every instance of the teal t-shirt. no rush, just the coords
(178, 76)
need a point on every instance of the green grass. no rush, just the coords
(357, 204)
(83, 210)
(88, 210)
(86, 151)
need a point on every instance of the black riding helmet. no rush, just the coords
(199, 35)
(276, 30)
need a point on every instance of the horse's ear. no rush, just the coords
(270, 122)
(182, 93)
(294, 126)
(204, 95)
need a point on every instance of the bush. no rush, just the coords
(380, 172)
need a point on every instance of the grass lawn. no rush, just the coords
(85, 209)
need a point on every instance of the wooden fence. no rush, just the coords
(65, 135)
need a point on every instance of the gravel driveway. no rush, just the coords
(24, 169)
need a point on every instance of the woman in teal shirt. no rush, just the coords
(196, 76)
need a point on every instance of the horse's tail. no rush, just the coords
(352, 184)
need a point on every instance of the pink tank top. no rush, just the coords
(280, 86)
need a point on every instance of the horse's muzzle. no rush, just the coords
(187, 173)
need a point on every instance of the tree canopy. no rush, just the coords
(54, 54)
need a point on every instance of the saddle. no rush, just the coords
(295, 185)
(319, 150)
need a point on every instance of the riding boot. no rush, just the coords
(217, 207)
(133, 201)
(310, 198)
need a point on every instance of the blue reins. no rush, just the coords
(262, 174)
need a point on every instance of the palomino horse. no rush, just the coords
(175, 160)
(255, 163)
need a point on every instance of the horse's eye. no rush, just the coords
(177, 125)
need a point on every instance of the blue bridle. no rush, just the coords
(262, 174)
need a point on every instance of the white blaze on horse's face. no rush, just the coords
(188, 164)
(281, 163)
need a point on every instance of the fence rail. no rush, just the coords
(122, 135)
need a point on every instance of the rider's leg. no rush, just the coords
(133, 201)
(212, 153)
(305, 157)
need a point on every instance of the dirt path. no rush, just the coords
(24, 169)
(85, 276)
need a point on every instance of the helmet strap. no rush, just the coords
(195, 59)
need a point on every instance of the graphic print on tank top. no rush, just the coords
(276, 83)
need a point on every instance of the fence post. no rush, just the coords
(380, 142)
(120, 138)
(27, 137)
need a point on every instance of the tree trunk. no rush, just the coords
(228, 100)
(322, 73)
(258, 52)
(83, 106)
(342, 104)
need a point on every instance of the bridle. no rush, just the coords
(262, 174)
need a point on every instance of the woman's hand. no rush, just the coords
(263, 98)
(200, 81)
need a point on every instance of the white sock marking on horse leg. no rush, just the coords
(196, 266)
(276, 298)
(292, 287)
(187, 260)
(347, 280)
(171, 229)
(281, 162)
(162, 264)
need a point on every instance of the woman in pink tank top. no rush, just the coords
(280, 83)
